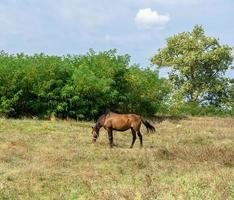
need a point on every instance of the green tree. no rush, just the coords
(97, 84)
(147, 93)
(198, 64)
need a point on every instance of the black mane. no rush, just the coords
(98, 124)
(100, 118)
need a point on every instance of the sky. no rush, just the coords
(135, 27)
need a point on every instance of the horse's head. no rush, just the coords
(95, 133)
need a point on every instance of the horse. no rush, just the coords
(121, 122)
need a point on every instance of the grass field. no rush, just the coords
(190, 158)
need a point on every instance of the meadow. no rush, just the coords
(187, 158)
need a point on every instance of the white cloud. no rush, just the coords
(147, 18)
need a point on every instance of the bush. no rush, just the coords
(82, 86)
(194, 109)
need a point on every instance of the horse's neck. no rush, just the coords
(98, 126)
(102, 119)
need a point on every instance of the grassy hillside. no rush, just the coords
(191, 158)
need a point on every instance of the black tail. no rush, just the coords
(150, 128)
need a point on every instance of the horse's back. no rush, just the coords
(125, 117)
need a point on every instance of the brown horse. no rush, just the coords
(121, 122)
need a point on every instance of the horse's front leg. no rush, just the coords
(110, 137)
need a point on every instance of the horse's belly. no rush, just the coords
(120, 125)
(121, 128)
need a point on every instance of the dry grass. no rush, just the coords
(191, 158)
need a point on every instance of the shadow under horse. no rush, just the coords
(121, 122)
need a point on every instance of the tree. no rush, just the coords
(198, 64)
(147, 93)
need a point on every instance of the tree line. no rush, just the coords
(81, 87)
(85, 86)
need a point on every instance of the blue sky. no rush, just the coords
(135, 27)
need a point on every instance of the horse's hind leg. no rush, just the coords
(140, 137)
(133, 137)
